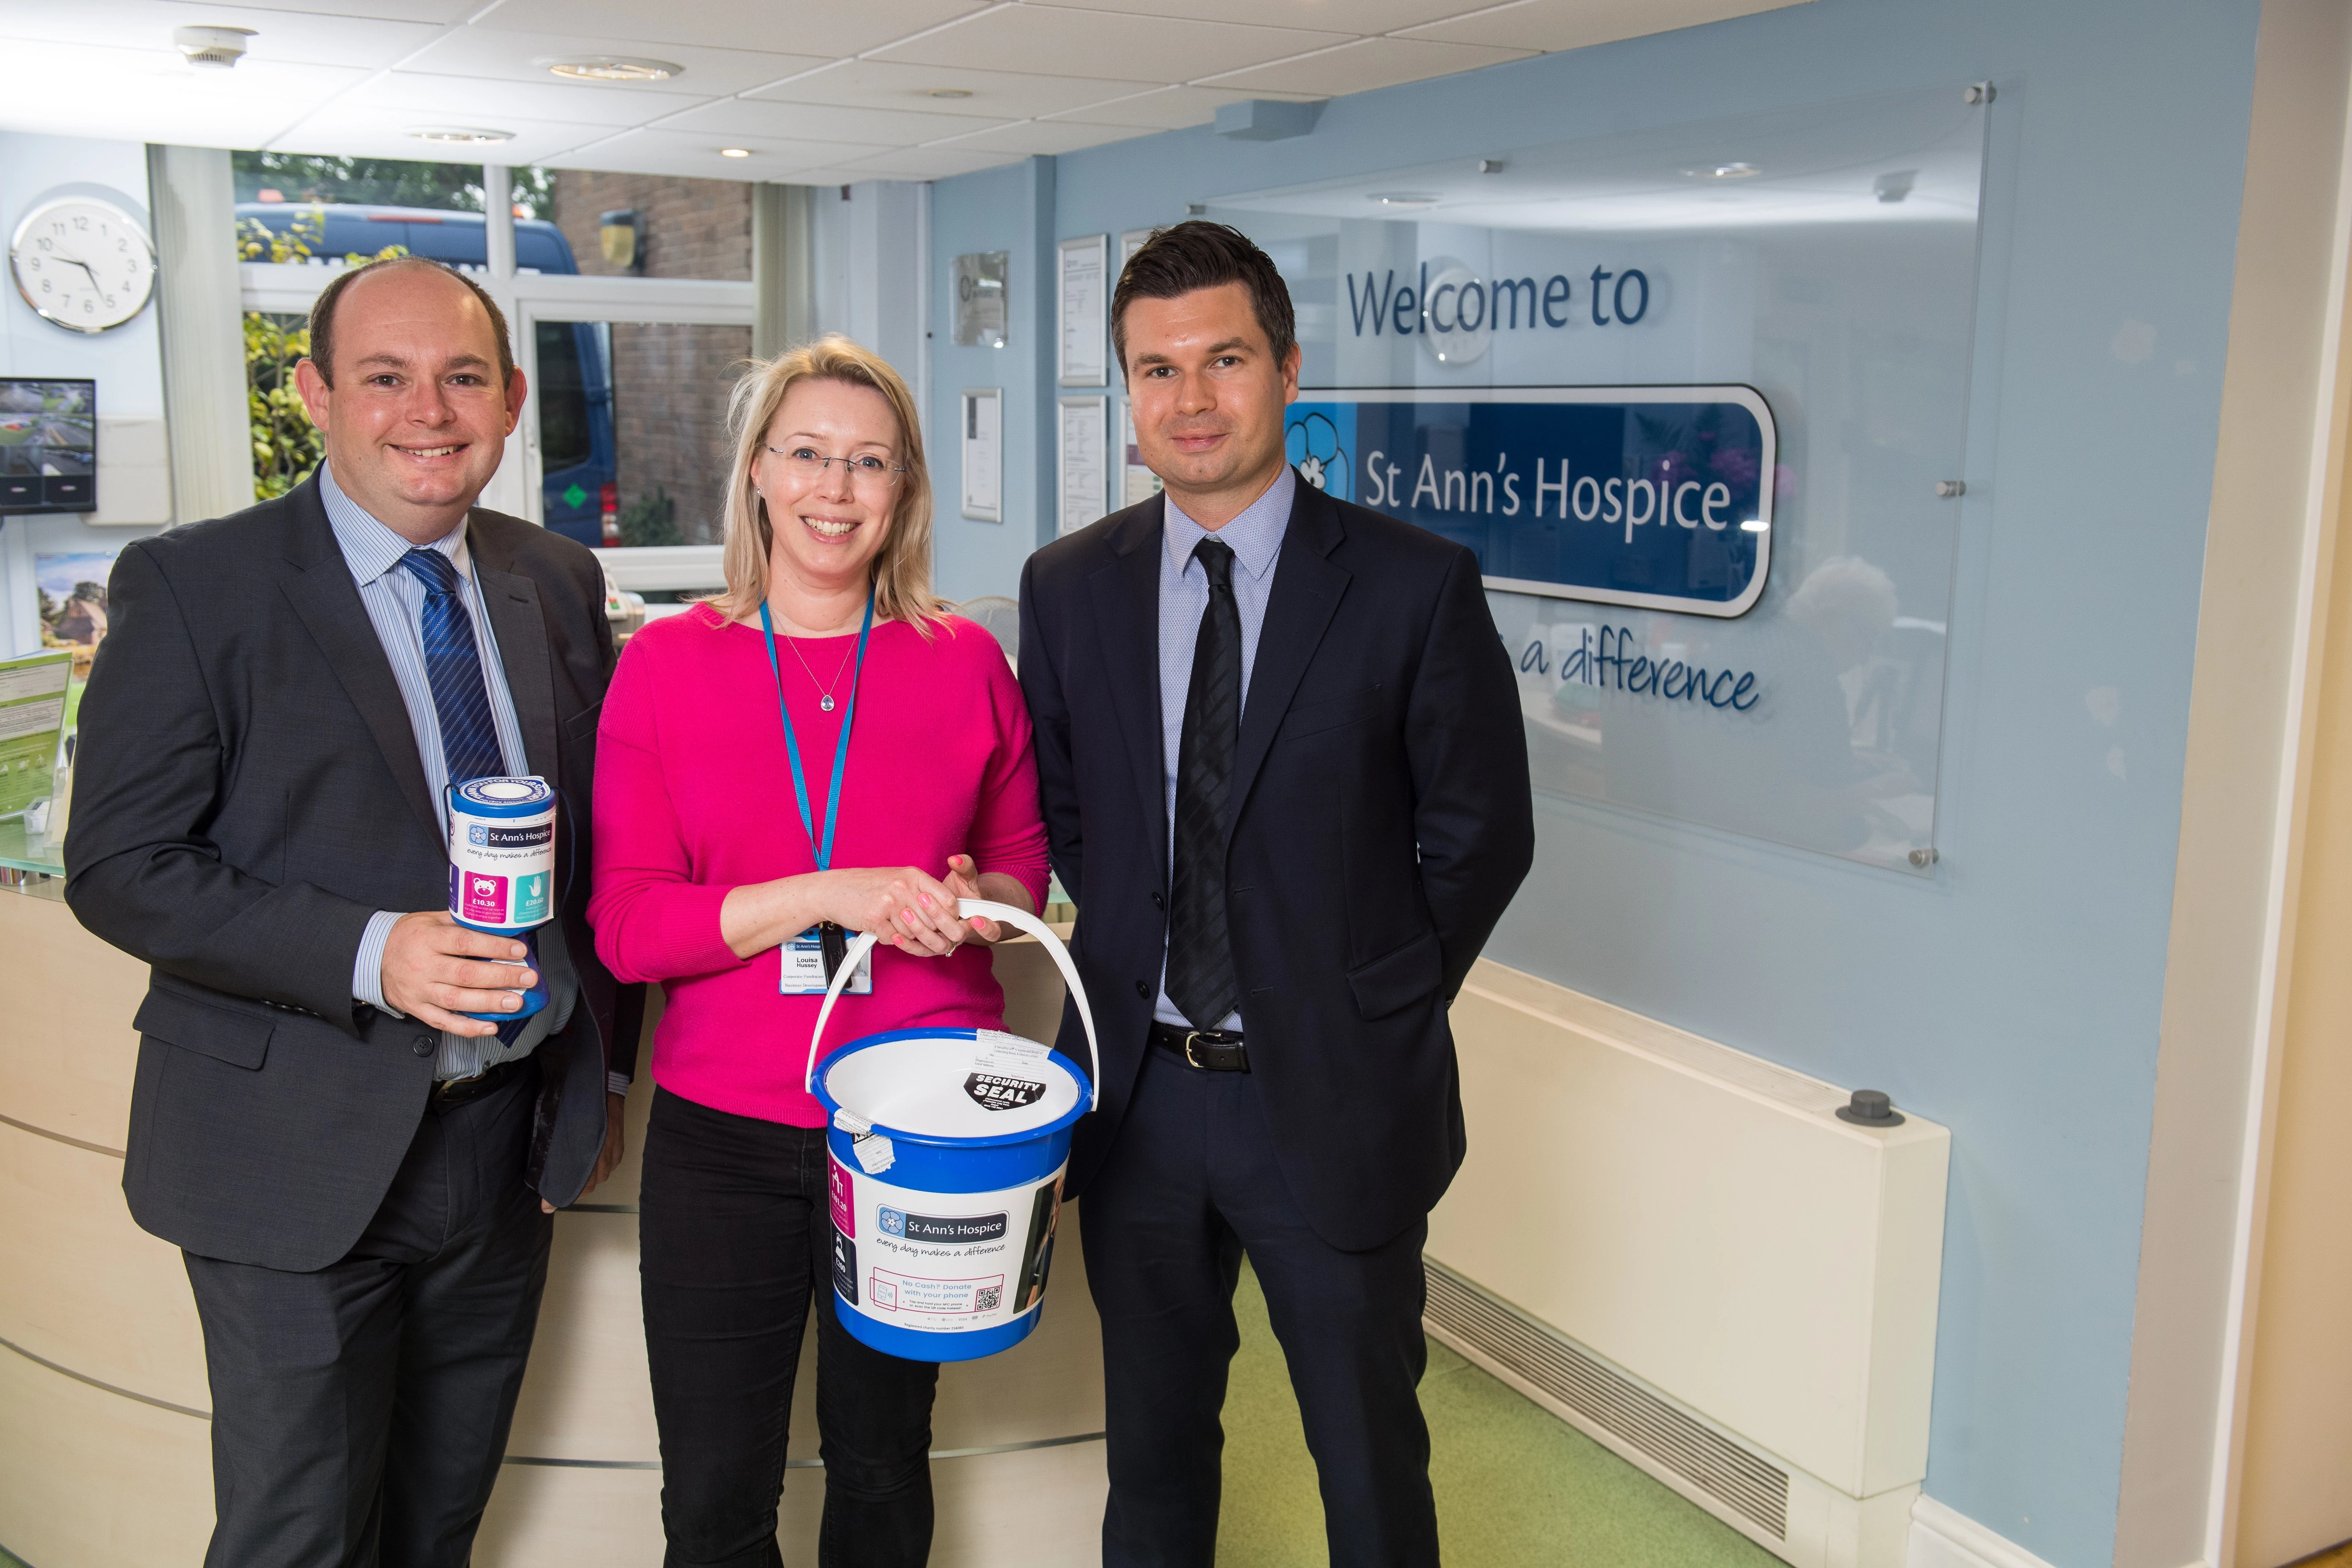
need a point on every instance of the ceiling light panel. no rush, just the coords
(697, 153)
(1551, 24)
(524, 56)
(1095, 43)
(1009, 95)
(826, 122)
(467, 99)
(350, 129)
(1167, 108)
(781, 26)
(615, 70)
(1366, 65)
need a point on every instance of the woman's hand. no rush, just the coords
(912, 910)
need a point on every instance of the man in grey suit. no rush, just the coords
(359, 1174)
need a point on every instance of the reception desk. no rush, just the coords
(104, 1460)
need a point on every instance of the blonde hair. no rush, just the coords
(902, 571)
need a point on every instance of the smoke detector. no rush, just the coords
(216, 49)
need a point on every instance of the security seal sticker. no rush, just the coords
(993, 1091)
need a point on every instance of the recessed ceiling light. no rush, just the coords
(1403, 198)
(734, 152)
(948, 92)
(1723, 171)
(460, 135)
(616, 68)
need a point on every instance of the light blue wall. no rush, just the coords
(2015, 996)
(1012, 210)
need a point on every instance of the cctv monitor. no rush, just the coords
(49, 445)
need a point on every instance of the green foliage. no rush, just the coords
(286, 444)
(651, 519)
(382, 182)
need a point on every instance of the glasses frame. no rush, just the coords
(896, 471)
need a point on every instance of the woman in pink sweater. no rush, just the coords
(827, 658)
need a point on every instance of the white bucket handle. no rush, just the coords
(965, 909)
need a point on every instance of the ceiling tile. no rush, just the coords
(1011, 95)
(440, 12)
(1574, 24)
(1049, 42)
(824, 122)
(152, 95)
(783, 27)
(681, 152)
(294, 39)
(525, 56)
(471, 97)
(928, 164)
(1046, 137)
(355, 131)
(1169, 107)
(1354, 17)
(1366, 64)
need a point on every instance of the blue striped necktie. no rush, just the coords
(453, 663)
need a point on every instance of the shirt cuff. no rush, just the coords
(367, 969)
(616, 1083)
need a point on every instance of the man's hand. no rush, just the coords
(435, 970)
(609, 1161)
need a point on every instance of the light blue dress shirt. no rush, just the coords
(1256, 536)
(395, 605)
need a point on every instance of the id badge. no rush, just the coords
(803, 968)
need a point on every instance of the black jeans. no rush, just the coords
(1191, 1186)
(735, 1240)
(359, 1411)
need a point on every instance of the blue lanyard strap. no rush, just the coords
(822, 854)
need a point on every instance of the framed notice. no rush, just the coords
(1085, 462)
(983, 453)
(1133, 240)
(32, 722)
(1083, 293)
(1138, 484)
(980, 311)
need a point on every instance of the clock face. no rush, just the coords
(83, 263)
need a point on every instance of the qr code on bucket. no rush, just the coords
(985, 1299)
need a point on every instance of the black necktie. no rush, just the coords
(1201, 979)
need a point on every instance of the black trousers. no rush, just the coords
(1189, 1186)
(360, 1413)
(735, 1240)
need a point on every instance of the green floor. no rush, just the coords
(1515, 1487)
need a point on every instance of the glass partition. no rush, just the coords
(1548, 353)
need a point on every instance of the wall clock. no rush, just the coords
(83, 263)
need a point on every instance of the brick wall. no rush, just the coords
(670, 383)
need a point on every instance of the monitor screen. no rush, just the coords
(49, 445)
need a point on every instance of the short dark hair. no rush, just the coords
(1196, 254)
(323, 313)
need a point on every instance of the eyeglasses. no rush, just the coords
(865, 471)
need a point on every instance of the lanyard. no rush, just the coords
(822, 853)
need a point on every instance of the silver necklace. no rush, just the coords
(825, 693)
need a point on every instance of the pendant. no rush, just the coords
(825, 703)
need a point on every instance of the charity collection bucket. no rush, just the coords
(502, 867)
(944, 1171)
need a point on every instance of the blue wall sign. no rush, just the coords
(1659, 497)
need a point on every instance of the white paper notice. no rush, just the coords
(1085, 471)
(1140, 484)
(983, 453)
(1084, 293)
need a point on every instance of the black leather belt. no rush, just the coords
(490, 1080)
(1213, 1050)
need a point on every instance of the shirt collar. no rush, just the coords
(372, 550)
(1255, 534)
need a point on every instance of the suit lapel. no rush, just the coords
(327, 602)
(521, 628)
(1306, 590)
(1126, 601)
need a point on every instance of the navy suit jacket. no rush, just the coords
(247, 793)
(1380, 821)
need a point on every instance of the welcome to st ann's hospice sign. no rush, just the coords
(1659, 497)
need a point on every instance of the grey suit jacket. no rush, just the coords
(247, 793)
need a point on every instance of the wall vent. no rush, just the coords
(1494, 1330)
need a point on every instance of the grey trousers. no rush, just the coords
(360, 1413)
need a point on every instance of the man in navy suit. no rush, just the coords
(1285, 778)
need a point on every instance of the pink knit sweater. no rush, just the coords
(694, 797)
